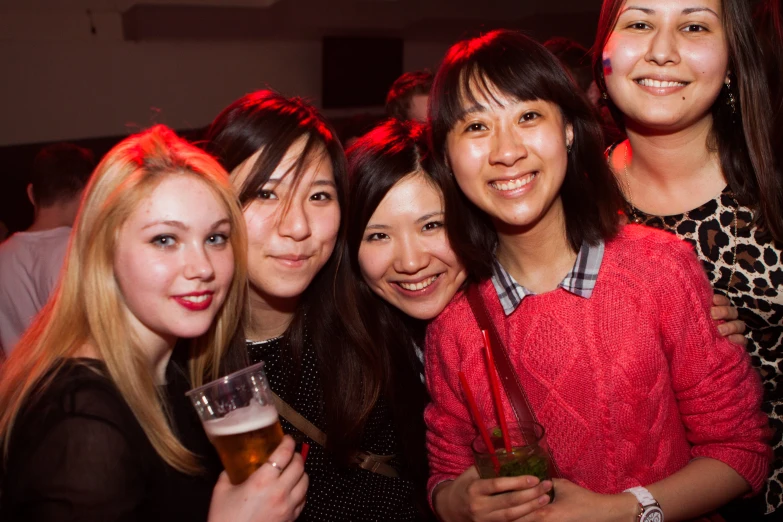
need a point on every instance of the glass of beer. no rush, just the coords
(240, 419)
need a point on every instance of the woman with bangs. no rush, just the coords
(688, 84)
(157, 254)
(397, 238)
(405, 269)
(341, 391)
(648, 411)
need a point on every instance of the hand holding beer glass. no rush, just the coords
(240, 419)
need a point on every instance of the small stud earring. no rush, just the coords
(605, 95)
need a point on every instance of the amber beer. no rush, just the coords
(245, 438)
(239, 416)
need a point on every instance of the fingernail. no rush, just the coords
(543, 499)
(547, 485)
(532, 481)
(722, 329)
(714, 313)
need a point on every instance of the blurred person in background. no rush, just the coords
(30, 261)
(577, 60)
(408, 95)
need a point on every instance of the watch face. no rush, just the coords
(652, 514)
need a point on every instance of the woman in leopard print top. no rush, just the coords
(688, 88)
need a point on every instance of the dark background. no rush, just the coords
(94, 71)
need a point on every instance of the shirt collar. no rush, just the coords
(579, 281)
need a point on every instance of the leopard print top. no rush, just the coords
(749, 270)
(756, 286)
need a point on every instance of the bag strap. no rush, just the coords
(363, 459)
(520, 404)
(375, 463)
(294, 417)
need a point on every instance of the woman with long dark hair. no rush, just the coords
(688, 85)
(344, 393)
(647, 410)
(397, 237)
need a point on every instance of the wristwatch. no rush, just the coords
(651, 510)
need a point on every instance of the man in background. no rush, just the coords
(408, 96)
(577, 61)
(30, 261)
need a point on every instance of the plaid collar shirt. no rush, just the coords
(579, 281)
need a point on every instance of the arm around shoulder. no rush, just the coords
(718, 392)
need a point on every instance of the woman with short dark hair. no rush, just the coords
(647, 409)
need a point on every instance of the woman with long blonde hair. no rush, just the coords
(157, 254)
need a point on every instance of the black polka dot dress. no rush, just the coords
(337, 492)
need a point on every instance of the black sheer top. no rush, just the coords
(77, 452)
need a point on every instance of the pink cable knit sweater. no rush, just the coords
(630, 384)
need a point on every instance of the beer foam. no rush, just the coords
(242, 420)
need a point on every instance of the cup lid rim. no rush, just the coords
(226, 378)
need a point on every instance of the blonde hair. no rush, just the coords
(88, 306)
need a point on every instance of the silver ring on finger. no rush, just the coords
(276, 466)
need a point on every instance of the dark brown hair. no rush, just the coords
(378, 161)
(60, 172)
(510, 63)
(575, 58)
(351, 369)
(402, 91)
(742, 138)
(768, 18)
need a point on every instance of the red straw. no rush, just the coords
(305, 451)
(495, 387)
(477, 419)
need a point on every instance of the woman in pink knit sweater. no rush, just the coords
(608, 327)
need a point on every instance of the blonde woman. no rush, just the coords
(157, 254)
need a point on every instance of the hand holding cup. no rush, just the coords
(273, 493)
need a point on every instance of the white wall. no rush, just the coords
(58, 81)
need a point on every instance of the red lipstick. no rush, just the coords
(195, 301)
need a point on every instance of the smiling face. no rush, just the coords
(509, 157)
(666, 61)
(405, 256)
(173, 260)
(292, 225)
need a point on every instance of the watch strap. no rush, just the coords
(644, 497)
(650, 509)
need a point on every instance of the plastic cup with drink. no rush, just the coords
(240, 419)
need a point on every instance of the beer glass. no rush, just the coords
(240, 419)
